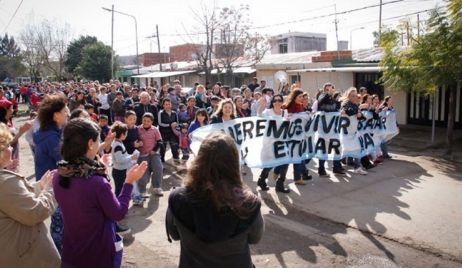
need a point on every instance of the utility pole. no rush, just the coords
(380, 21)
(158, 45)
(336, 30)
(418, 26)
(136, 29)
(408, 38)
(112, 43)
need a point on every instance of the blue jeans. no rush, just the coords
(154, 171)
(384, 148)
(300, 169)
(56, 229)
(185, 153)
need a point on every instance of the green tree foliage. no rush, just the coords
(96, 62)
(430, 61)
(74, 51)
(10, 59)
(8, 47)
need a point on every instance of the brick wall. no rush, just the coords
(333, 56)
(148, 59)
(184, 52)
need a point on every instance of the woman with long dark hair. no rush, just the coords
(89, 207)
(215, 216)
(295, 104)
(52, 115)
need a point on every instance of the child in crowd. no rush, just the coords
(183, 140)
(201, 119)
(118, 108)
(34, 101)
(151, 144)
(131, 143)
(103, 124)
(91, 112)
(182, 113)
(121, 159)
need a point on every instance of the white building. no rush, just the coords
(297, 42)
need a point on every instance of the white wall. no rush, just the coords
(399, 99)
(312, 81)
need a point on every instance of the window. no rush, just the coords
(283, 48)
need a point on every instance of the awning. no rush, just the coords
(238, 70)
(244, 70)
(162, 74)
(368, 69)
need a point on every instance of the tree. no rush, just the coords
(227, 40)
(236, 41)
(9, 47)
(10, 59)
(74, 52)
(207, 24)
(96, 62)
(432, 60)
(46, 43)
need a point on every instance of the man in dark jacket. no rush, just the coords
(326, 103)
(168, 120)
(144, 106)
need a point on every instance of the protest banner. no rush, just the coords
(271, 141)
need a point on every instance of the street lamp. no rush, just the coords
(136, 32)
(351, 36)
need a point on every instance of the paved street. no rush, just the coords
(405, 213)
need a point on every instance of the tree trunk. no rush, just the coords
(229, 77)
(451, 113)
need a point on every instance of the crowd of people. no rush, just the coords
(75, 127)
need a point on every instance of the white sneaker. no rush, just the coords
(158, 192)
(360, 171)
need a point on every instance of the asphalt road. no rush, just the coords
(297, 234)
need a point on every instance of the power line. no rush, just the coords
(386, 19)
(12, 17)
(325, 16)
(299, 20)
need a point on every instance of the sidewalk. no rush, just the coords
(417, 140)
(413, 199)
(407, 200)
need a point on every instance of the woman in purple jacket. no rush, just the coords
(89, 206)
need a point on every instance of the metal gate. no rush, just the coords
(420, 108)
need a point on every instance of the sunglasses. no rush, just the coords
(277, 100)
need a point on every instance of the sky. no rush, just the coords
(175, 18)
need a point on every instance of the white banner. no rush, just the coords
(270, 141)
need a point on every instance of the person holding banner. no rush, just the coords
(387, 105)
(326, 103)
(215, 216)
(350, 107)
(294, 104)
(275, 110)
(366, 102)
(226, 111)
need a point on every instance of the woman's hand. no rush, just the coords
(46, 180)
(25, 127)
(136, 172)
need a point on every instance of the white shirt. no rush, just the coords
(270, 112)
(103, 100)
